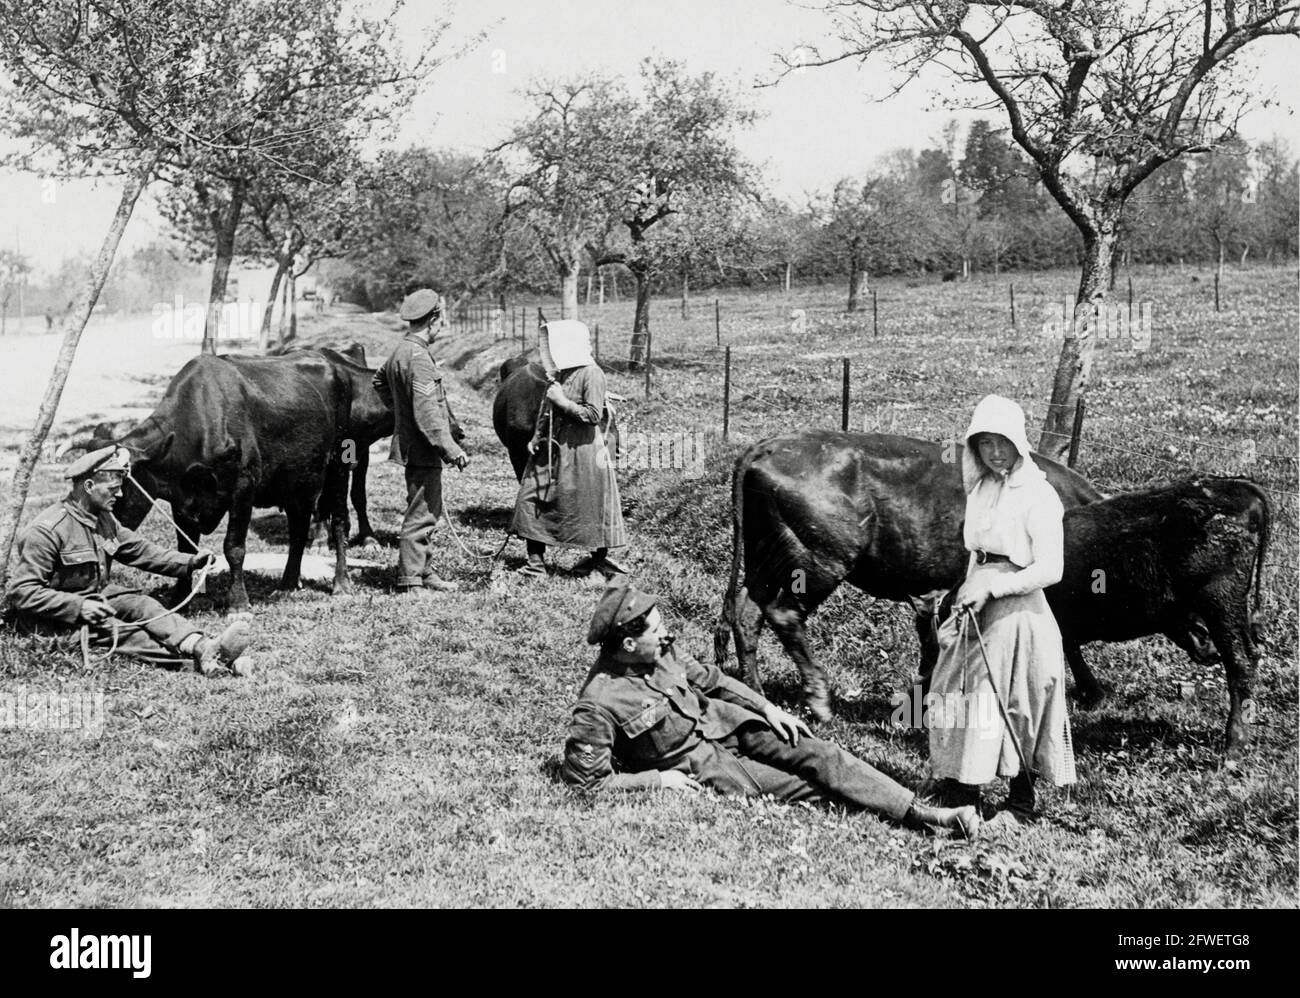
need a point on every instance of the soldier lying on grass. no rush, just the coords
(669, 722)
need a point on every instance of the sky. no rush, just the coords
(816, 125)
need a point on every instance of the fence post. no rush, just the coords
(726, 393)
(512, 323)
(844, 398)
(595, 335)
(875, 328)
(1216, 289)
(1012, 288)
(647, 364)
(1076, 433)
(523, 330)
(1130, 301)
(717, 322)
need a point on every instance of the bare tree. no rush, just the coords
(1126, 86)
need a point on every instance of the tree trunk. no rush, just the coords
(281, 336)
(75, 324)
(686, 290)
(857, 279)
(787, 277)
(587, 300)
(600, 280)
(641, 322)
(225, 233)
(568, 273)
(293, 305)
(264, 336)
(1075, 363)
(1245, 251)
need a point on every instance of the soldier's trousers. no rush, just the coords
(753, 760)
(423, 511)
(157, 642)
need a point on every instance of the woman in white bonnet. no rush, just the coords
(1014, 534)
(568, 495)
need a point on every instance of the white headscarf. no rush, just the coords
(570, 343)
(996, 414)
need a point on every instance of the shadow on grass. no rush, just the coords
(489, 518)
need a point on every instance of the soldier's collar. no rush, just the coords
(607, 663)
(79, 514)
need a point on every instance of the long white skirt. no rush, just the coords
(969, 740)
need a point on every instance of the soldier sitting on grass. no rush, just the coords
(669, 722)
(61, 581)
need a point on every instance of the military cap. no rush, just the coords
(420, 303)
(620, 603)
(110, 458)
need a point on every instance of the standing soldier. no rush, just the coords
(61, 581)
(423, 439)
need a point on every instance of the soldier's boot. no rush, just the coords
(438, 584)
(963, 820)
(215, 656)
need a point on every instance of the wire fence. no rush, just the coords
(755, 365)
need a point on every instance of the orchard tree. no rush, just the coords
(1124, 86)
(304, 83)
(676, 149)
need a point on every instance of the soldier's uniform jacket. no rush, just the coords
(668, 718)
(410, 384)
(63, 558)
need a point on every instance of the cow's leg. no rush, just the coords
(1230, 632)
(298, 514)
(364, 530)
(241, 512)
(745, 628)
(336, 492)
(1086, 687)
(787, 617)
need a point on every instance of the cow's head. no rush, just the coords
(205, 489)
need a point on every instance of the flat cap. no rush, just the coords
(420, 303)
(110, 458)
(620, 603)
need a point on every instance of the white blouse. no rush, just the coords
(1020, 517)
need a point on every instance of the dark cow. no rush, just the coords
(235, 433)
(517, 406)
(370, 420)
(813, 509)
(1151, 561)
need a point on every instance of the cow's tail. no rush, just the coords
(727, 619)
(1256, 623)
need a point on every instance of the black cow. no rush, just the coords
(235, 433)
(816, 508)
(517, 406)
(1151, 561)
(370, 420)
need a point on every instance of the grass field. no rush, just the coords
(394, 755)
